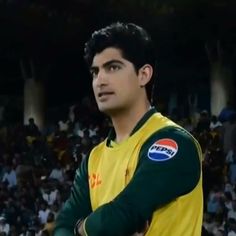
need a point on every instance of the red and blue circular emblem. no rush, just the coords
(163, 150)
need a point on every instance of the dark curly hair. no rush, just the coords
(132, 40)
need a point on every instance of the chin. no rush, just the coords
(110, 111)
(105, 109)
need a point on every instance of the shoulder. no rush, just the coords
(175, 133)
(98, 147)
(170, 142)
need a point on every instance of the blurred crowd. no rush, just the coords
(37, 167)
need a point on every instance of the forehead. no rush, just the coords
(106, 55)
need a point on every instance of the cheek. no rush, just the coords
(131, 85)
(94, 85)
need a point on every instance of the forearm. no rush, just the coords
(77, 207)
(66, 220)
(63, 232)
(82, 231)
(116, 219)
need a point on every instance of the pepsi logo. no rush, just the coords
(163, 150)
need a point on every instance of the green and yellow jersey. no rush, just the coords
(151, 181)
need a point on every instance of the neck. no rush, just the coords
(125, 121)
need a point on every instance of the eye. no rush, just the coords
(94, 73)
(114, 67)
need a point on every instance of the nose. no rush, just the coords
(101, 78)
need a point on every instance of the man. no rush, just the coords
(145, 178)
(4, 226)
(9, 177)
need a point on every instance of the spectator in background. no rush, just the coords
(4, 226)
(32, 129)
(92, 130)
(215, 123)
(213, 202)
(232, 170)
(57, 172)
(54, 209)
(188, 124)
(231, 227)
(232, 211)
(229, 133)
(43, 213)
(63, 125)
(49, 226)
(10, 177)
(226, 112)
(204, 122)
(50, 194)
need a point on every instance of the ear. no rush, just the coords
(145, 74)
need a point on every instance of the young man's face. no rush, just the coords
(116, 84)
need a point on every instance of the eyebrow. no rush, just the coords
(107, 64)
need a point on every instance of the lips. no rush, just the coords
(101, 94)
